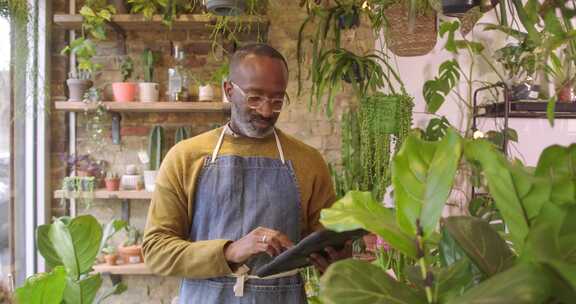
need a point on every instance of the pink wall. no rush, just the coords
(534, 134)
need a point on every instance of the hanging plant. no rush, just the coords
(381, 122)
(364, 73)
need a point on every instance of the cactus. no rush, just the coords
(181, 134)
(111, 175)
(148, 60)
(156, 147)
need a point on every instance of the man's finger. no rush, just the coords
(332, 253)
(320, 261)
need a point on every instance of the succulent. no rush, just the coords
(133, 236)
(109, 250)
(156, 147)
(111, 175)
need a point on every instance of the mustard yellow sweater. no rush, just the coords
(166, 248)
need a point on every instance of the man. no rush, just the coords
(229, 200)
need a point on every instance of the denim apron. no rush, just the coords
(234, 196)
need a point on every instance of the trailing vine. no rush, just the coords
(369, 133)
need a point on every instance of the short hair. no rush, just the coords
(258, 49)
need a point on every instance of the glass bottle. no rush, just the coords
(178, 77)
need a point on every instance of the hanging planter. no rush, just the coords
(406, 39)
(456, 8)
(349, 19)
(226, 7)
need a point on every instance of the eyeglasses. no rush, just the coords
(254, 101)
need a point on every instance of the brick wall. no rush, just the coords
(313, 128)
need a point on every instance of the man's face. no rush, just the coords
(256, 75)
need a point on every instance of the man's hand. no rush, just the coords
(258, 240)
(321, 263)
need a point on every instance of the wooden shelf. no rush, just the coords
(128, 269)
(155, 107)
(137, 22)
(105, 194)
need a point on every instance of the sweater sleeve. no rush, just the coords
(322, 196)
(166, 247)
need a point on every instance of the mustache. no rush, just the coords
(260, 118)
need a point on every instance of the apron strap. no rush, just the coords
(242, 276)
(221, 139)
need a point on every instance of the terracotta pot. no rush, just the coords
(112, 184)
(124, 91)
(131, 254)
(111, 259)
(567, 94)
(77, 88)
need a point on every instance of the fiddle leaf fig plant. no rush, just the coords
(464, 259)
(69, 246)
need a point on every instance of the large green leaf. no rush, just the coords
(43, 288)
(45, 246)
(557, 161)
(453, 281)
(521, 284)
(481, 243)
(502, 187)
(356, 282)
(78, 243)
(360, 210)
(422, 175)
(82, 291)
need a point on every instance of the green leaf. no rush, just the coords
(78, 243)
(46, 247)
(521, 284)
(550, 110)
(43, 288)
(422, 175)
(449, 251)
(481, 243)
(557, 161)
(501, 186)
(86, 11)
(360, 210)
(352, 281)
(450, 28)
(82, 291)
(454, 280)
(109, 230)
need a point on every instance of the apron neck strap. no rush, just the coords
(221, 140)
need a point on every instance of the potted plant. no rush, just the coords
(518, 59)
(226, 7)
(112, 181)
(221, 75)
(148, 90)
(110, 255)
(562, 70)
(79, 80)
(125, 91)
(70, 246)
(156, 143)
(131, 250)
(85, 165)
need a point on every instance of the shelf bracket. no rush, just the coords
(121, 41)
(116, 118)
(126, 210)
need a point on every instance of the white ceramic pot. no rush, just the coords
(206, 93)
(149, 91)
(150, 179)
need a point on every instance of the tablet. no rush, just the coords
(297, 256)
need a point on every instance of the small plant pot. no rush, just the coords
(77, 88)
(226, 7)
(112, 184)
(354, 72)
(148, 91)
(206, 93)
(567, 94)
(124, 91)
(111, 259)
(131, 254)
(150, 180)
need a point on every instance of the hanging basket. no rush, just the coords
(406, 42)
(226, 7)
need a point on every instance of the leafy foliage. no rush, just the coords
(70, 246)
(436, 90)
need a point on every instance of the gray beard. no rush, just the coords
(245, 127)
